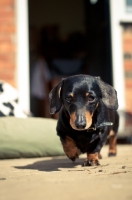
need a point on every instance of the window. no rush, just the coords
(129, 6)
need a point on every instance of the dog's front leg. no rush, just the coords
(91, 160)
(112, 144)
(70, 148)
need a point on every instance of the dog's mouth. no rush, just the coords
(79, 129)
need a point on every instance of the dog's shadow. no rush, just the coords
(55, 164)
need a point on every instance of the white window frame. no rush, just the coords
(22, 53)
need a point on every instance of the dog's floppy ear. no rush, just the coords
(109, 94)
(54, 98)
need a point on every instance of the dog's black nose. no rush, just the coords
(81, 126)
(80, 122)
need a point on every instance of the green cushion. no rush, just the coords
(30, 137)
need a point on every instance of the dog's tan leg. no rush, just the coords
(92, 159)
(112, 144)
(100, 156)
(70, 148)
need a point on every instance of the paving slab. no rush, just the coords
(58, 178)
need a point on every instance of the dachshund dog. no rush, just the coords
(87, 116)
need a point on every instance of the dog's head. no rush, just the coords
(80, 95)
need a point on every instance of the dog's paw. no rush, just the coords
(110, 154)
(90, 163)
(70, 148)
(73, 153)
(92, 159)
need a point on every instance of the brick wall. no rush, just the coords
(127, 51)
(7, 41)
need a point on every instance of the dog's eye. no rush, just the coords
(91, 98)
(68, 99)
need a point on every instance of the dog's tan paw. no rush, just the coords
(90, 163)
(73, 153)
(92, 160)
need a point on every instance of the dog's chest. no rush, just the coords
(85, 142)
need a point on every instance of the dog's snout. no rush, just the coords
(80, 122)
(81, 125)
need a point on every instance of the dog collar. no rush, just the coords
(94, 128)
(98, 127)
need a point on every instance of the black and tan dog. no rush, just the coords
(87, 117)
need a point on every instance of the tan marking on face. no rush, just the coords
(87, 94)
(88, 116)
(71, 94)
(72, 120)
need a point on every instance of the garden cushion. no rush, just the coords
(30, 137)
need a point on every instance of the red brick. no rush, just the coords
(5, 40)
(6, 2)
(7, 20)
(7, 57)
(128, 94)
(7, 47)
(128, 65)
(6, 28)
(12, 82)
(128, 83)
(6, 75)
(6, 11)
(127, 35)
(7, 43)
(127, 47)
(7, 65)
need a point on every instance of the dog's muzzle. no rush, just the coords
(80, 122)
